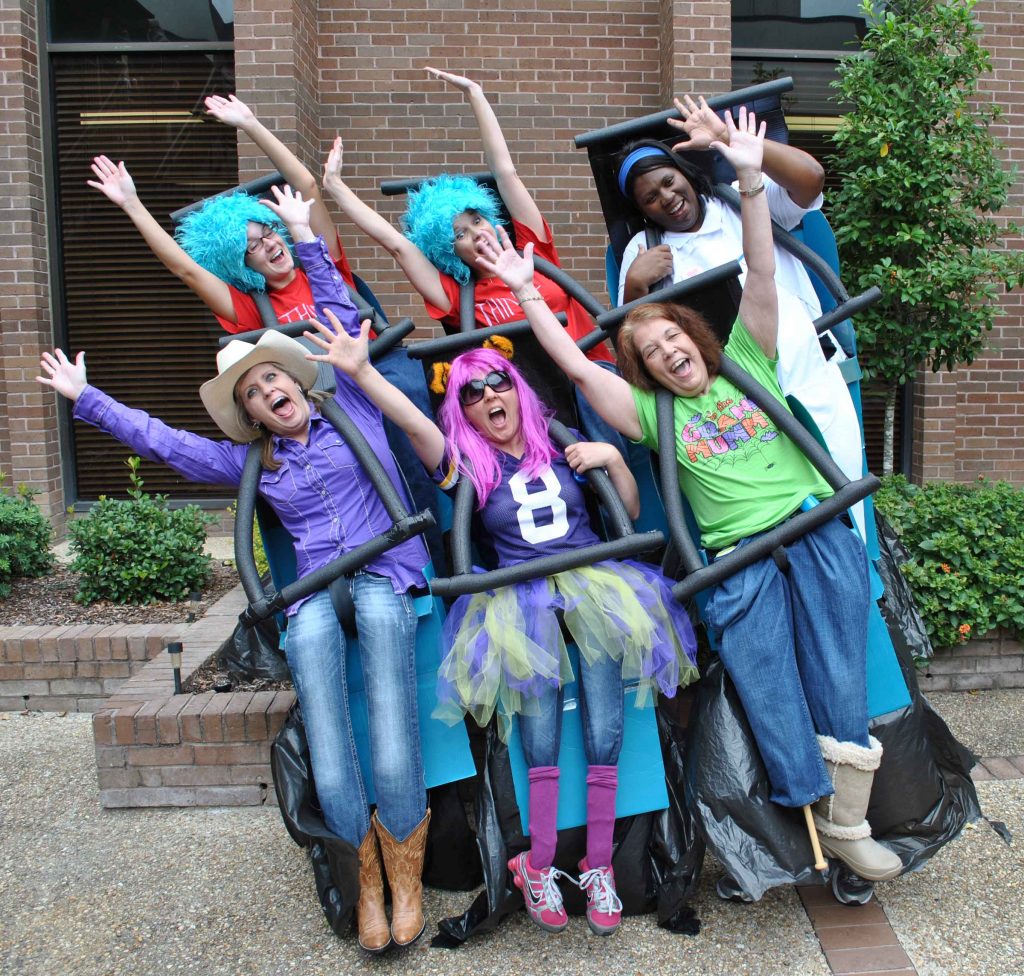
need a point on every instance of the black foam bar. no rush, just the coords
(786, 422)
(713, 276)
(568, 284)
(635, 128)
(452, 345)
(462, 515)
(668, 472)
(394, 188)
(783, 534)
(255, 188)
(797, 248)
(245, 511)
(467, 307)
(633, 545)
(389, 338)
(847, 309)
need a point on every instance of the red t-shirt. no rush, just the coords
(495, 304)
(293, 303)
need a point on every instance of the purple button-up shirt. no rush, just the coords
(320, 492)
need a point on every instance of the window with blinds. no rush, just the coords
(148, 341)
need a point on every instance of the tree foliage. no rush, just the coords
(921, 179)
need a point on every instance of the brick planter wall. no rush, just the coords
(158, 749)
(74, 668)
(994, 661)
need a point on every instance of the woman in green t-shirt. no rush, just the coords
(793, 642)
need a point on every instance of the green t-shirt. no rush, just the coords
(739, 473)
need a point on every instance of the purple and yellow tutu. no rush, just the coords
(507, 645)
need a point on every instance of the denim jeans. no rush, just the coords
(601, 712)
(795, 646)
(315, 647)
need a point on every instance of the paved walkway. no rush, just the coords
(225, 891)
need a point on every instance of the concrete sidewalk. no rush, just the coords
(225, 891)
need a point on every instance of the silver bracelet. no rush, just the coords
(532, 298)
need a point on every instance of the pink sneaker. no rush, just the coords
(540, 892)
(604, 910)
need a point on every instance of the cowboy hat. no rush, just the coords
(234, 361)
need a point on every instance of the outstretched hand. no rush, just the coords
(504, 261)
(332, 166)
(348, 353)
(292, 210)
(66, 377)
(231, 110)
(700, 123)
(112, 180)
(745, 148)
(461, 82)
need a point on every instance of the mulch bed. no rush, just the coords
(49, 601)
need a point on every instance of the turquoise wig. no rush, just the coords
(431, 210)
(215, 237)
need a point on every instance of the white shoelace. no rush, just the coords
(605, 897)
(549, 896)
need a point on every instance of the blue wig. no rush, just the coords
(215, 237)
(431, 210)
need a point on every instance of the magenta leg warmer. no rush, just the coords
(602, 784)
(543, 815)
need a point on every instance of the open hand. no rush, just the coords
(745, 148)
(332, 166)
(66, 377)
(112, 180)
(700, 123)
(231, 110)
(464, 84)
(348, 353)
(504, 261)
(292, 210)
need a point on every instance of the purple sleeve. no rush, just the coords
(193, 457)
(328, 287)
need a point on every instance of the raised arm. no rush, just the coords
(295, 213)
(115, 183)
(234, 112)
(759, 306)
(511, 188)
(610, 394)
(349, 355)
(799, 173)
(422, 275)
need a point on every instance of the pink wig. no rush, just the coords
(477, 458)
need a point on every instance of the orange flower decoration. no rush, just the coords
(945, 568)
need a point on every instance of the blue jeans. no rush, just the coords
(315, 647)
(795, 646)
(601, 716)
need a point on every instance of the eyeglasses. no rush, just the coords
(473, 391)
(266, 232)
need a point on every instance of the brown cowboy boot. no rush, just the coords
(374, 934)
(404, 865)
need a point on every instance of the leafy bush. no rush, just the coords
(139, 550)
(966, 554)
(25, 535)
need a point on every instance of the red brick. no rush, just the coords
(168, 729)
(124, 723)
(233, 718)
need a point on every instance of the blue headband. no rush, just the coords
(632, 159)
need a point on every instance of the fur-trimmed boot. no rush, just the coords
(374, 933)
(403, 862)
(840, 818)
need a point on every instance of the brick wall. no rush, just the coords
(29, 448)
(971, 422)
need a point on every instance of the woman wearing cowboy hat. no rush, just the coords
(324, 499)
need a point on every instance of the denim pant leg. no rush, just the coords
(752, 612)
(315, 648)
(829, 590)
(601, 710)
(386, 623)
(540, 730)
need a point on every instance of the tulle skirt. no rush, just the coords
(507, 645)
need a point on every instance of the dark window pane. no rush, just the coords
(797, 25)
(148, 340)
(123, 21)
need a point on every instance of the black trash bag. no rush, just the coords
(898, 606)
(657, 856)
(255, 651)
(449, 861)
(922, 795)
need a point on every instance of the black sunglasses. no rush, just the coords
(473, 391)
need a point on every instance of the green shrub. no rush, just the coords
(25, 535)
(139, 550)
(966, 554)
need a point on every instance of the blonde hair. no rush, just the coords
(266, 437)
